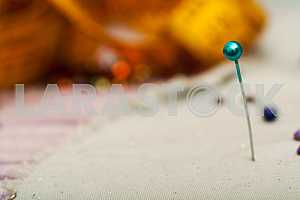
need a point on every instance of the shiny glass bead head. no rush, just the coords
(233, 50)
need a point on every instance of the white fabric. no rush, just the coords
(182, 157)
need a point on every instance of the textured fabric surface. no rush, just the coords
(180, 157)
(25, 136)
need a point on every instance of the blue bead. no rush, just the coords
(297, 135)
(298, 151)
(270, 114)
(233, 50)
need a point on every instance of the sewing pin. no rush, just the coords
(233, 51)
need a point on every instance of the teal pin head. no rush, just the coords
(233, 50)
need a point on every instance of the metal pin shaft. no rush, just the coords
(239, 75)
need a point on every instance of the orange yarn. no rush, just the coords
(26, 44)
(34, 32)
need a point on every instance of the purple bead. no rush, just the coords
(297, 135)
(270, 114)
(298, 151)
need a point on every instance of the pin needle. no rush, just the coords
(233, 51)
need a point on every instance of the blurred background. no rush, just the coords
(122, 41)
